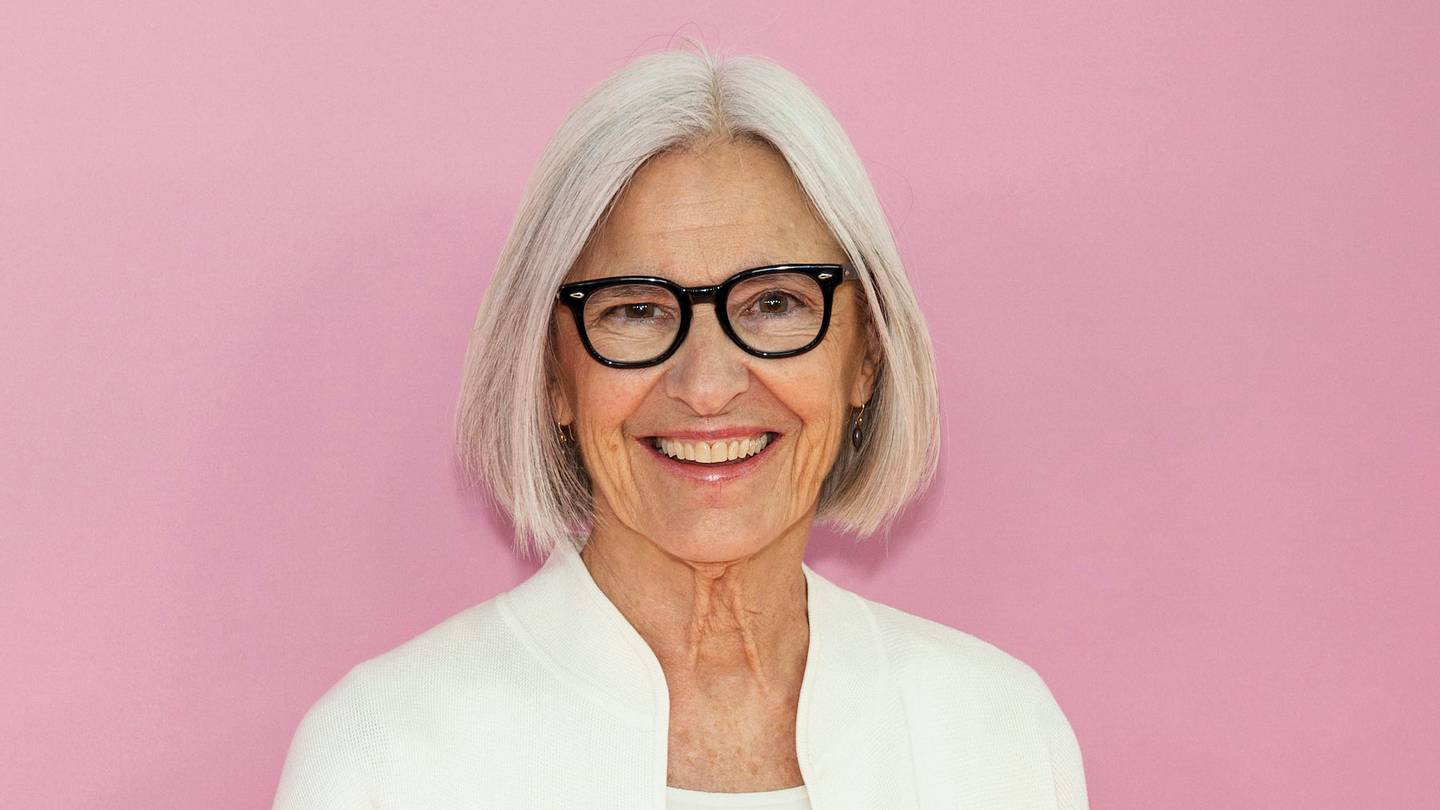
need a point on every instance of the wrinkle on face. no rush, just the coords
(710, 575)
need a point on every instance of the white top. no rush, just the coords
(784, 799)
(546, 697)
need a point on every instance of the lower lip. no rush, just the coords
(712, 473)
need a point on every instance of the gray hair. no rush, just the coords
(506, 433)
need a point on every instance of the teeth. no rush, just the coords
(712, 452)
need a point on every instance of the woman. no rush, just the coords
(699, 342)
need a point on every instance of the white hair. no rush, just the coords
(661, 102)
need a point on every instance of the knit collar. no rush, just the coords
(584, 639)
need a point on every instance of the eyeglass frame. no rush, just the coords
(827, 276)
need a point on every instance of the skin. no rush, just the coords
(709, 573)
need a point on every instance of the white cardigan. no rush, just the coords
(546, 697)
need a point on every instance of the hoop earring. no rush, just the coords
(857, 428)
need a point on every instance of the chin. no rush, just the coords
(713, 543)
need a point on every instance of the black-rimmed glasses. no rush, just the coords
(779, 310)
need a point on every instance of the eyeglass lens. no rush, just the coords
(776, 312)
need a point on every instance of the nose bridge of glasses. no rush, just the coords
(702, 295)
(703, 327)
(709, 341)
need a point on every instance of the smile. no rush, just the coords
(717, 452)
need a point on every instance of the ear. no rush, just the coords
(556, 389)
(864, 386)
(560, 406)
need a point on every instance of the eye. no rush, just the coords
(633, 312)
(635, 315)
(774, 303)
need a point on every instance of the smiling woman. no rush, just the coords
(698, 344)
(693, 214)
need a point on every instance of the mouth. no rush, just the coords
(712, 461)
(713, 454)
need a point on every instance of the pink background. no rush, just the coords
(1180, 265)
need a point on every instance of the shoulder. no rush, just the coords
(429, 690)
(444, 656)
(432, 675)
(924, 649)
(947, 664)
(958, 683)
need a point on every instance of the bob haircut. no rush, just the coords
(662, 102)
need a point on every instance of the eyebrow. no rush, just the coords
(760, 261)
(748, 263)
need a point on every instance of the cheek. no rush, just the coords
(817, 387)
(603, 403)
(600, 396)
(815, 393)
(605, 399)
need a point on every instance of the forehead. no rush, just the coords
(698, 217)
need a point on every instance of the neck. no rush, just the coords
(742, 619)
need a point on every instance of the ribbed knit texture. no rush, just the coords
(787, 799)
(546, 697)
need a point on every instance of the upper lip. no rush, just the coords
(713, 435)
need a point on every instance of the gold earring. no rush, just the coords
(564, 435)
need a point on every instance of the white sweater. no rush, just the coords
(546, 697)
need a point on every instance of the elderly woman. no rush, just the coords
(698, 343)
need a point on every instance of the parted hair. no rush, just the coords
(505, 427)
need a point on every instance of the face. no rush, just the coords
(698, 217)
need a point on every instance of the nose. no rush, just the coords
(708, 371)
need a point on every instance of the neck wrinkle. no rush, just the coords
(747, 617)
